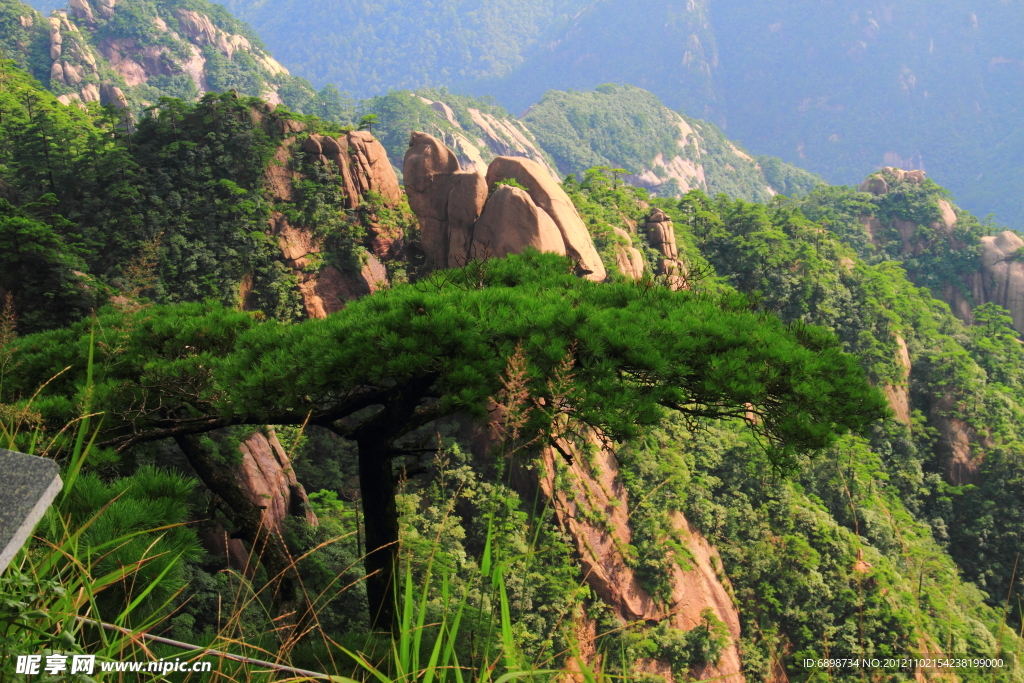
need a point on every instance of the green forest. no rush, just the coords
(786, 442)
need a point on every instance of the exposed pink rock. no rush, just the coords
(955, 440)
(311, 145)
(289, 127)
(916, 177)
(588, 490)
(279, 174)
(81, 9)
(266, 475)
(906, 230)
(628, 259)
(948, 216)
(197, 26)
(111, 94)
(662, 234)
(550, 197)
(510, 223)
(446, 200)
(1004, 273)
(328, 290)
(371, 169)
(898, 394)
(466, 200)
(876, 185)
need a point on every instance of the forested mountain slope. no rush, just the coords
(624, 128)
(217, 237)
(353, 44)
(839, 89)
(133, 52)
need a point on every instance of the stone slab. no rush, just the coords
(28, 485)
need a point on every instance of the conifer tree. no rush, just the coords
(401, 359)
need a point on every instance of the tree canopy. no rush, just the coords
(607, 358)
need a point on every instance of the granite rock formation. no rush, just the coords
(458, 221)
(510, 223)
(1003, 273)
(446, 200)
(549, 196)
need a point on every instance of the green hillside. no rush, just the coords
(840, 90)
(163, 276)
(134, 52)
(629, 128)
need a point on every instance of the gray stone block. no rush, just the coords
(27, 487)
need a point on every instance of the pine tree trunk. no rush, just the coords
(380, 527)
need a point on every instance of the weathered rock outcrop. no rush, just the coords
(458, 221)
(548, 195)
(265, 473)
(628, 258)
(662, 236)
(1003, 272)
(956, 438)
(326, 290)
(697, 583)
(877, 184)
(88, 52)
(371, 170)
(898, 393)
(999, 278)
(446, 200)
(362, 162)
(510, 223)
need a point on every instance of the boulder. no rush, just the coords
(311, 145)
(510, 223)
(111, 94)
(916, 177)
(446, 200)
(628, 259)
(550, 197)
(466, 200)
(72, 74)
(1004, 274)
(662, 235)
(371, 169)
(876, 185)
(80, 9)
(57, 72)
(90, 93)
(266, 475)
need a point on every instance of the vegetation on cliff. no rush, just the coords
(199, 225)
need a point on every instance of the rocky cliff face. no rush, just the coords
(914, 222)
(131, 52)
(367, 179)
(460, 220)
(997, 276)
(595, 491)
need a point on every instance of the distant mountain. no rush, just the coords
(620, 127)
(369, 48)
(661, 150)
(132, 52)
(845, 88)
(841, 89)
